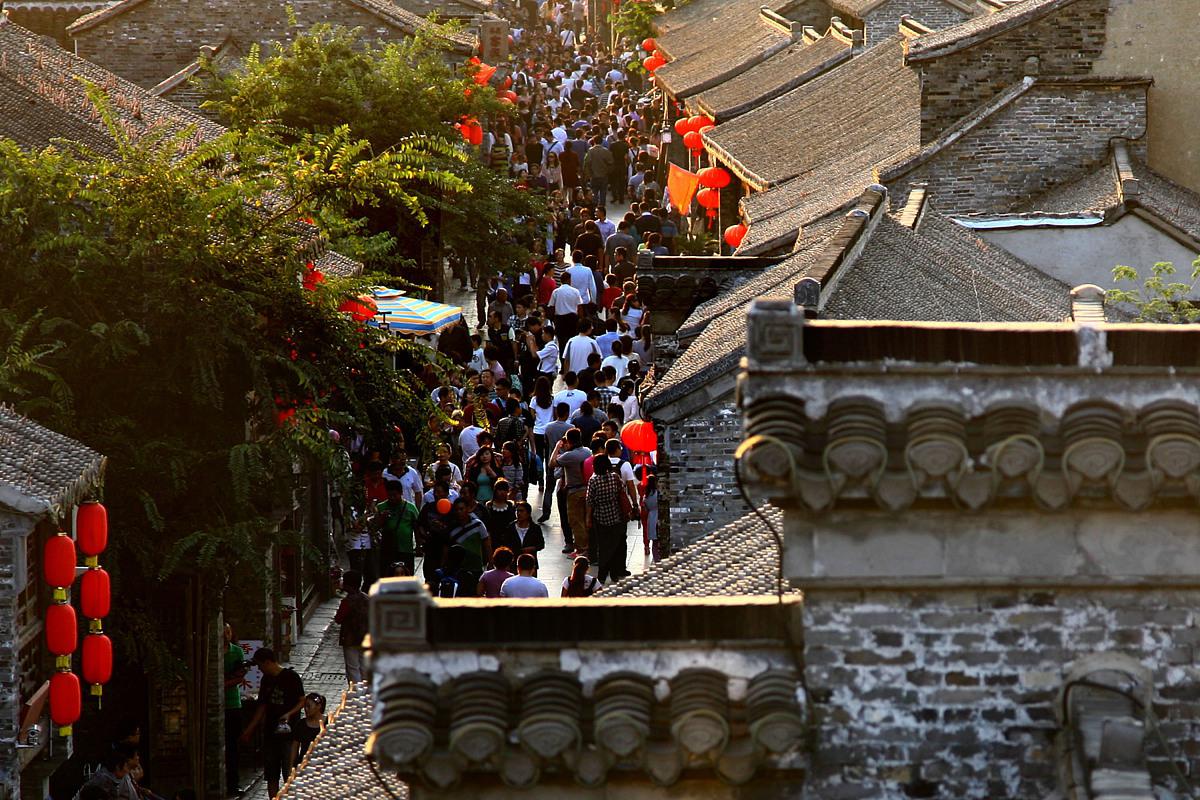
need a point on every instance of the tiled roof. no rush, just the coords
(978, 29)
(744, 43)
(58, 78)
(1099, 192)
(780, 73)
(709, 33)
(686, 14)
(336, 765)
(34, 124)
(775, 280)
(775, 215)
(741, 558)
(940, 272)
(861, 8)
(332, 262)
(391, 13)
(865, 112)
(42, 471)
(718, 349)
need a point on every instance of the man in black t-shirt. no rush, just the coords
(280, 698)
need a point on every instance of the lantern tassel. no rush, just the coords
(65, 731)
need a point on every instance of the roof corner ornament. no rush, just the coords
(775, 334)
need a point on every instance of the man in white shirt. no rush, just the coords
(564, 305)
(523, 584)
(399, 470)
(615, 75)
(619, 360)
(548, 355)
(559, 132)
(468, 440)
(583, 279)
(579, 347)
(606, 226)
(571, 395)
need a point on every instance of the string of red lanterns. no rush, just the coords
(62, 631)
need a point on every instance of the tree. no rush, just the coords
(1158, 299)
(386, 94)
(160, 298)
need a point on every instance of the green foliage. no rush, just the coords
(699, 243)
(402, 98)
(632, 22)
(153, 310)
(1158, 299)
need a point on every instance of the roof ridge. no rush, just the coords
(813, 290)
(958, 37)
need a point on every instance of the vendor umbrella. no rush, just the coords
(411, 316)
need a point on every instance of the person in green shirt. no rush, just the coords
(235, 673)
(397, 518)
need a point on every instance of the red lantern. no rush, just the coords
(709, 198)
(639, 436)
(97, 661)
(652, 63)
(66, 701)
(91, 528)
(58, 561)
(693, 142)
(312, 278)
(649, 45)
(506, 101)
(360, 309)
(511, 95)
(95, 594)
(695, 122)
(62, 629)
(681, 126)
(508, 82)
(734, 235)
(713, 178)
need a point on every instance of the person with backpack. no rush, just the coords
(280, 698)
(451, 578)
(579, 583)
(352, 616)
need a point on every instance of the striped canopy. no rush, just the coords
(411, 316)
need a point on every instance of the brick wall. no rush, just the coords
(884, 20)
(951, 694)
(1054, 133)
(9, 678)
(154, 40)
(1067, 42)
(700, 490)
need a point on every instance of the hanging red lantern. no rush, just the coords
(360, 309)
(652, 63)
(511, 95)
(97, 661)
(706, 125)
(709, 198)
(62, 631)
(734, 235)
(91, 529)
(649, 45)
(693, 142)
(681, 126)
(58, 563)
(506, 101)
(713, 178)
(312, 279)
(476, 134)
(695, 121)
(639, 436)
(66, 701)
(95, 594)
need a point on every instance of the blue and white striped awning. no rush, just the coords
(409, 315)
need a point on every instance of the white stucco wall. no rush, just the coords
(1088, 255)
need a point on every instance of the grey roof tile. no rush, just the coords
(852, 118)
(741, 558)
(336, 765)
(744, 42)
(42, 471)
(780, 73)
(981, 28)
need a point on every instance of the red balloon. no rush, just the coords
(709, 198)
(62, 629)
(734, 234)
(58, 560)
(692, 141)
(713, 178)
(649, 45)
(91, 528)
(360, 309)
(97, 659)
(444, 506)
(66, 700)
(95, 594)
(639, 436)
